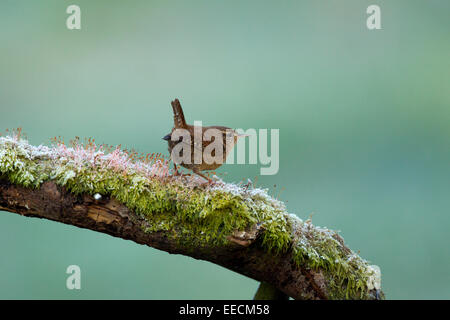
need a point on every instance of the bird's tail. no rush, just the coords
(178, 116)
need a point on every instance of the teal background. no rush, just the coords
(364, 119)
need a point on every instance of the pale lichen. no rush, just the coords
(374, 281)
(201, 214)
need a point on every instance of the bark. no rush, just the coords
(267, 291)
(243, 254)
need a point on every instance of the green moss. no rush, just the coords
(320, 248)
(201, 216)
(20, 168)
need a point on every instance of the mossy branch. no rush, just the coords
(236, 226)
(266, 291)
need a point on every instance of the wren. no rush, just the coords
(197, 151)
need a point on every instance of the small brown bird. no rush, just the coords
(199, 153)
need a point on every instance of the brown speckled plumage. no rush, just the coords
(180, 123)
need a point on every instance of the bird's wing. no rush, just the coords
(178, 115)
(192, 145)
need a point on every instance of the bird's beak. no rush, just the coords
(167, 137)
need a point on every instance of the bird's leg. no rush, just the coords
(176, 173)
(210, 181)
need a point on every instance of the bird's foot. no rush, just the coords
(209, 180)
(176, 173)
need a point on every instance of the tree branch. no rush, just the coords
(238, 228)
(267, 291)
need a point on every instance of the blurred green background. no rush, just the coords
(364, 119)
